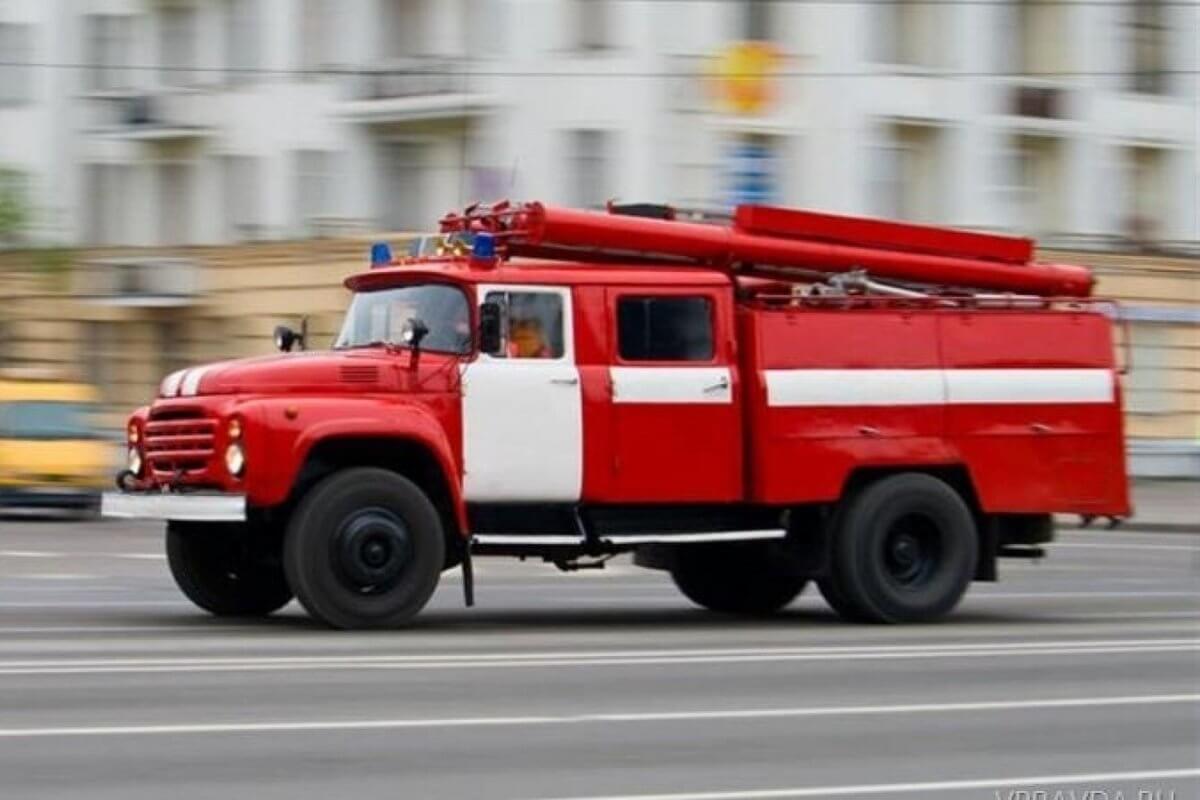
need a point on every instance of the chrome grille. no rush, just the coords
(179, 441)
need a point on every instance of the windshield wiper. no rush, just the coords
(391, 347)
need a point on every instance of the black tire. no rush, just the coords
(737, 578)
(905, 550)
(220, 572)
(364, 549)
(835, 596)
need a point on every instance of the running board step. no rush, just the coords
(615, 539)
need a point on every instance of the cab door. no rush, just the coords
(522, 407)
(674, 392)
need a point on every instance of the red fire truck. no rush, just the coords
(881, 408)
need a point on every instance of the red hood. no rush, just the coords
(317, 371)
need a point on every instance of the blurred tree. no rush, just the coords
(14, 204)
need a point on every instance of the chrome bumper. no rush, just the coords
(197, 507)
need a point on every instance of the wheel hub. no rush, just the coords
(372, 550)
(911, 551)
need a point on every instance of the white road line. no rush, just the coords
(1015, 781)
(1075, 595)
(492, 661)
(601, 717)
(79, 554)
(1122, 546)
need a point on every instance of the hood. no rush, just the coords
(322, 371)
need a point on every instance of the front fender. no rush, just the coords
(294, 428)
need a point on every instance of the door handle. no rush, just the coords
(718, 386)
(869, 430)
(1039, 427)
(565, 381)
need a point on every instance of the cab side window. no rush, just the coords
(665, 328)
(531, 324)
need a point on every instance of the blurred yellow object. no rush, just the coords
(742, 77)
(51, 455)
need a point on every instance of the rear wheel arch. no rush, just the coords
(958, 477)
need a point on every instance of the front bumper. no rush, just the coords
(189, 507)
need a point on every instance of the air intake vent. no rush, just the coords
(359, 373)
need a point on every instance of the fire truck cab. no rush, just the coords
(749, 406)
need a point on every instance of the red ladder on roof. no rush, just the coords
(779, 243)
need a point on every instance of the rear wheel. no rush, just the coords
(905, 550)
(364, 549)
(736, 578)
(219, 570)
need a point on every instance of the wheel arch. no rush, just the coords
(955, 475)
(417, 459)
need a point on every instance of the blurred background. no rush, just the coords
(178, 176)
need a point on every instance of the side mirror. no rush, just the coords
(415, 332)
(489, 328)
(286, 339)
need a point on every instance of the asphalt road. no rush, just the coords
(1080, 674)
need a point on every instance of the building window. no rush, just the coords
(1030, 180)
(241, 179)
(1145, 188)
(756, 20)
(105, 195)
(314, 188)
(593, 24)
(665, 329)
(108, 47)
(174, 203)
(906, 173)
(16, 75)
(908, 32)
(590, 168)
(177, 45)
(404, 174)
(1041, 30)
(1148, 46)
(242, 41)
(1148, 385)
(316, 38)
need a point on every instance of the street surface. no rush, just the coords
(1079, 674)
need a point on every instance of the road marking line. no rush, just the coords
(593, 658)
(602, 717)
(1039, 781)
(1124, 546)
(78, 554)
(1074, 595)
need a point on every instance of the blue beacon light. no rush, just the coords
(381, 255)
(484, 246)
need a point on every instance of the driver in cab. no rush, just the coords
(527, 339)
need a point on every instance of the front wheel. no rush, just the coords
(737, 578)
(219, 571)
(364, 549)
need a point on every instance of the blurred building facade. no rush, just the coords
(159, 143)
(145, 122)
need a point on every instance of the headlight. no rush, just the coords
(235, 459)
(134, 461)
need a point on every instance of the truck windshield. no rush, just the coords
(385, 315)
(45, 419)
